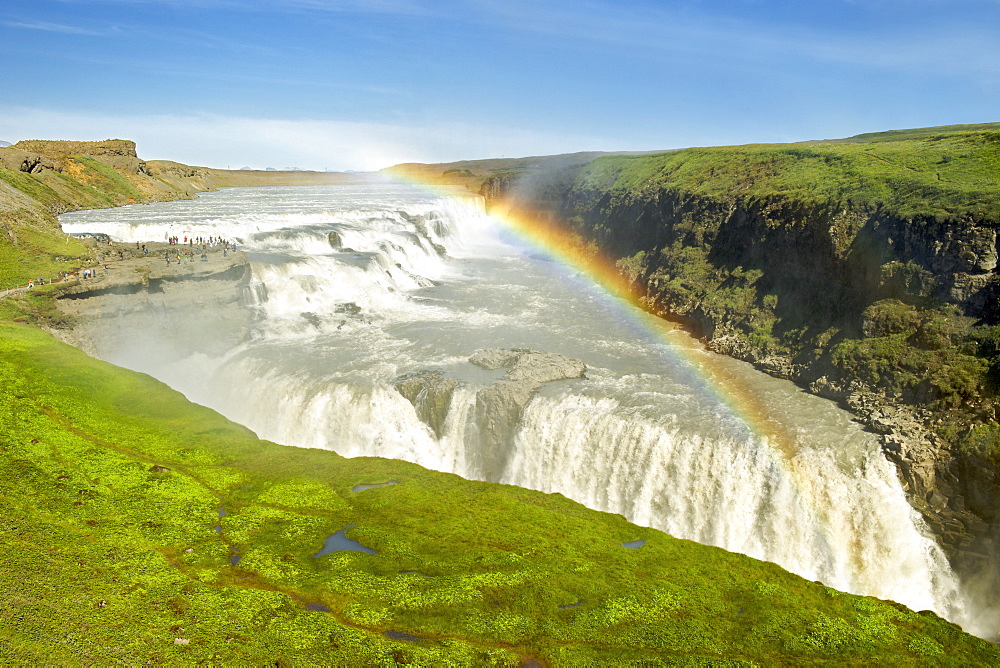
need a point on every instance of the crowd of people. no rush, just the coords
(211, 242)
(197, 246)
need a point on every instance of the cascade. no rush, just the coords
(367, 304)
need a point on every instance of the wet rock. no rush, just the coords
(829, 389)
(537, 367)
(500, 405)
(350, 308)
(493, 358)
(156, 468)
(430, 392)
(735, 344)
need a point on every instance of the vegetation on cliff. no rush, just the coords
(920, 175)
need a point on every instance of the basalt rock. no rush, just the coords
(24, 161)
(430, 392)
(499, 406)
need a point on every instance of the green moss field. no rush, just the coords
(140, 528)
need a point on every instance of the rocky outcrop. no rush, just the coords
(430, 393)
(498, 406)
(119, 154)
(24, 161)
(145, 294)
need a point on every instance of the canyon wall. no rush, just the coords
(886, 303)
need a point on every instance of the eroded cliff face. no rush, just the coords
(119, 154)
(797, 288)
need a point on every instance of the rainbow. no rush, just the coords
(707, 373)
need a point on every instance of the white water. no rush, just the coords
(639, 436)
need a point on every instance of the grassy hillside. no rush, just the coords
(31, 242)
(139, 527)
(938, 175)
(473, 173)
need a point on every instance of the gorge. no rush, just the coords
(379, 320)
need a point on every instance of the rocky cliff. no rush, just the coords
(864, 270)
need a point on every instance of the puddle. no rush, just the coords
(571, 605)
(234, 558)
(217, 528)
(634, 544)
(222, 512)
(317, 607)
(399, 635)
(361, 488)
(339, 542)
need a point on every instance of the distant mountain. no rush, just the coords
(4, 143)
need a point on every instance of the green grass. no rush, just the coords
(33, 188)
(108, 559)
(38, 252)
(939, 175)
(106, 185)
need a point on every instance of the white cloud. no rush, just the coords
(228, 141)
(54, 27)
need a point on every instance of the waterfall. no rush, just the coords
(355, 288)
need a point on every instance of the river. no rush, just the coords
(354, 287)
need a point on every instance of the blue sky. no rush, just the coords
(354, 84)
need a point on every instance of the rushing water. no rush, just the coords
(354, 286)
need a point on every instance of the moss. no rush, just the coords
(111, 485)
